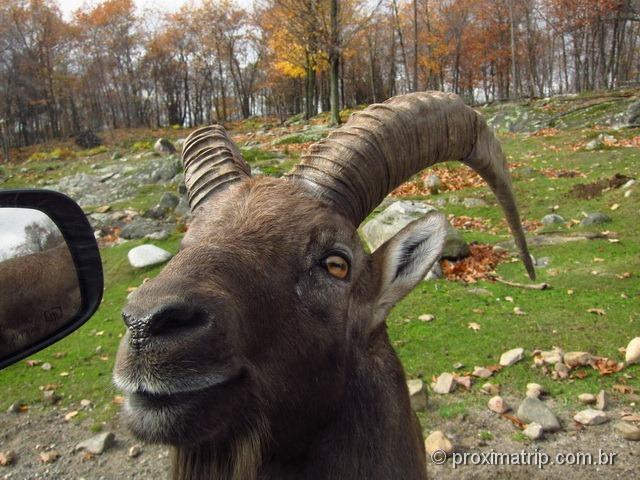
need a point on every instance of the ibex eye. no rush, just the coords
(336, 266)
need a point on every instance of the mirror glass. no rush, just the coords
(39, 290)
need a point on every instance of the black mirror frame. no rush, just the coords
(78, 234)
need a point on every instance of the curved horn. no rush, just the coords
(211, 161)
(356, 166)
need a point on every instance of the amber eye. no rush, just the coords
(336, 266)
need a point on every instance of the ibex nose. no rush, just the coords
(171, 318)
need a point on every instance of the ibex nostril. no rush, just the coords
(166, 319)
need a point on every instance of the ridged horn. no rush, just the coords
(356, 166)
(211, 162)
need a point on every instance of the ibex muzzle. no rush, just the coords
(261, 349)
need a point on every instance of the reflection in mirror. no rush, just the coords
(39, 290)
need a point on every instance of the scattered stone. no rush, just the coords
(552, 219)
(85, 402)
(49, 457)
(158, 236)
(398, 215)
(438, 441)
(577, 359)
(463, 380)
(512, 356)
(50, 397)
(542, 262)
(427, 317)
(14, 407)
(7, 458)
(473, 202)
(551, 357)
(417, 394)
(628, 431)
(632, 354)
(147, 255)
(481, 372)
(433, 184)
(498, 405)
(534, 410)
(595, 219)
(164, 147)
(103, 209)
(168, 201)
(633, 114)
(140, 227)
(98, 444)
(591, 417)
(444, 384)
(561, 370)
(479, 291)
(587, 398)
(72, 414)
(46, 366)
(116, 156)
(134, 451)
(490, 389)
(458, 365)
(534, 431)
(629, 184)
(534, 390)
(602, 400)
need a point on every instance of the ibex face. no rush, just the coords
(258, 321)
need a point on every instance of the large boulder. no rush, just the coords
(633, 114)
(147, 255)
(397, 216)
(164, 147)
(140, 227)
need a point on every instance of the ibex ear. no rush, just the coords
(406, 258)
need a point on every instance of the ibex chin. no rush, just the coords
(261, 350)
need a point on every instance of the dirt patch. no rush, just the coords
(484, 435)
(592, 190)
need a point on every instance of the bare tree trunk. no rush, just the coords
(334, 57)
(415, 45)
(401, 40)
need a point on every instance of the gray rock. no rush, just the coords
(602, 400)
(147, 255)
(435, 273)
(97, 444)
(46, 366)
(534, 431)
(628, 431)
(498, 405)
(591, 417)
(444, 384)
(134, 451)
(166, 170)
(577, 359)
(438, 442)
(432, 183)
(633, 113)
(456, 246)
(14, 407)
(182, 209)
(179, 143)
(164, 147)
(481, 372)
(50, 397)
(551, 357)
(587, 398)
(534, 410)
(483, 292)
(552, 218)
(417, 394)
(116, 156)
(141, 227)
(542, 262)
(596, 218)
(168, 201)
(629, 184)
(473, 202)
(161, 235)
(512, 356)
(527, 172)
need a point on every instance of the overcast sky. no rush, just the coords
(69, 6)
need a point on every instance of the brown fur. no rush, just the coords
(312, 390)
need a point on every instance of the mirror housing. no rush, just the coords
(83, 249)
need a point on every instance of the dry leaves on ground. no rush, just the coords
(479, 265)
(464, 222)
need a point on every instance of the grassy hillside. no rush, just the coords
(600, 273)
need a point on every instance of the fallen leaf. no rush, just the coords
(580, 374)
(24, 408)
(60, 354)
(32, 363)
(598, 259)
(509, 299)
(86, 456)
(615, 206)
(49, 457)
(50, 386)
(494, 368)
(515, 420)
(474, 326)
(606, 366)
(64, 374)
(570, 292)
(7, 458)
(118, 400)
(624, 275)
(597, 311)
(624, 389)
(104, 358)
(518, 311)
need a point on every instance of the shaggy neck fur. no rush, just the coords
(239, 459)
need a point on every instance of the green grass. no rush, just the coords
(553, 317)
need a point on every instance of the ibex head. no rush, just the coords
(256, 326)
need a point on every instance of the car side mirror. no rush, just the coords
(50, 271)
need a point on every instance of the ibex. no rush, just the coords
(261, 350)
